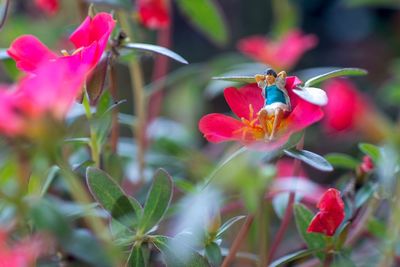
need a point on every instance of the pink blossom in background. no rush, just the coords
(346, 105)
(349, 111)
(245, 102)
(281, 54)
(285, 181)
(331, 214)
(51, 91)
(50, 7)
(22, 254)
(154, 14)
(90, 40)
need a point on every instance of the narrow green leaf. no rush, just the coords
(228, 224)
(108, 193)
(4, 4)
(3, 54)
(339, 160)
(123, 4)
(364, 194)
(303, 217)
(214, 254)
(310, 158)
(292, 257)
(370, 150)
(156, 49)
(136, 258)
(179, 255)
(207, 17)
(238, 78)
(157, 201)
(312, 95)
(335, 73)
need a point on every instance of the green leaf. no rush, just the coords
(342, 259)
(238, 78)
(335, 73)
(377, 227)
(84, 246)
(213, 254)
(157, 201)
(364, 194)
(339, 160)
(108, 193)
(206, 16)
(123, 4)
(4, 4)
(312, 95)
(228, 224)
(137, 258)
(179, 255)
(292, 257)
(156, 49)
(303, 217)
(370, 150)
(310, 158)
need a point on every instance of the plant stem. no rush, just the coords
(94, 144)
(289, 209)
(161, 67)
(138, 99)
(263, 214)
(238, 241)
(114, 118)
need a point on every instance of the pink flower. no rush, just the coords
(286, 182)
(23, 254)
(331, 214)
(51, 91)
(280, 54)
(245, 103)
(367, 165)
(49, 6)
(90, 40)
(349, 110)
(154, 14)
(346, 105)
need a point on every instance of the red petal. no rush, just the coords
(218, 127)
(239, 100)
(28, 52)
(331, 201)
(325, 223)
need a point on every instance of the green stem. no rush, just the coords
(138, 97)
(95, 149)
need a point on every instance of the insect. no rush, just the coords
(276, 98)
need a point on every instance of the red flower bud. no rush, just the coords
(330, 215)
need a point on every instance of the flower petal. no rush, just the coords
(303, 115)
(240, 100)
(28, 52)
(218, 127)
(331, 201)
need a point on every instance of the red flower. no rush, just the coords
(285, 182)
(51, 91)
(90, 40)
(154, 14)
(367, 165)
(346, 105)
(49, 6)
(23, 254)
(330, 215)
(280, 54)
(245, 103)
(349, 110)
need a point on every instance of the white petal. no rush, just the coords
(313, 95)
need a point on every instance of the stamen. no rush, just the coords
(64, 52)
